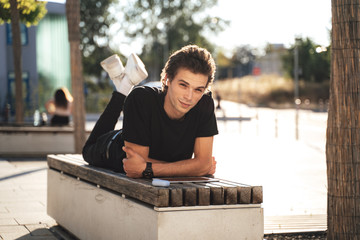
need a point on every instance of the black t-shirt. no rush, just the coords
(146, 123)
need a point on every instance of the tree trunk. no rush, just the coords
(73, 18)
(16, 45)
(343, 127)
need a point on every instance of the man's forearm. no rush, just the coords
(190, 167)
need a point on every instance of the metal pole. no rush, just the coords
(296, 88)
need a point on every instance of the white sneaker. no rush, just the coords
(126, 78)
(135, 69)
(113, 66)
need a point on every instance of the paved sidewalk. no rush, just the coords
(23, 215)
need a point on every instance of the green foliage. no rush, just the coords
(97, 95)
(31, 11)
(168, 25)
(95, 21)
(314, 61)
(239, 64)
(222, 60)
(91, 62)
(243, 55)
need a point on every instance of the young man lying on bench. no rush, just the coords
(167, 132)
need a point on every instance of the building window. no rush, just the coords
(25, 90)
(23, 33)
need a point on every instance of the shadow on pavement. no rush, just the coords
(54, 232)
(21, 174)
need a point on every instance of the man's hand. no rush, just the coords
(134, 164)
(213, 167)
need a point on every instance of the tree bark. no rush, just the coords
(16, 46)
(343, 127)
(73, 18)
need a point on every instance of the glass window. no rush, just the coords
(23, 33)
(25, 89)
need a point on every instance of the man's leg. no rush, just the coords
(96, 149)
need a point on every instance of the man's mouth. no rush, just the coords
(184, 105)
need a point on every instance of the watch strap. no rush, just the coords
(148, 172)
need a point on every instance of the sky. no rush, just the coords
(258, 22)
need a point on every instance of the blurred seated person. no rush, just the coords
(60, 107)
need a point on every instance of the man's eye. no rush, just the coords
(182, 84)
(199, 90)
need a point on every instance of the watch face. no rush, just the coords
(147, 174)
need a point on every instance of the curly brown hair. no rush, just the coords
(190, 57)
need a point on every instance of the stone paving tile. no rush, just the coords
(4, 164)
(26, 207)
(33, 187)
(13, 232)
(21, 203)
(11, 196)
(29, 181)
(18, 194)
(40, 194)
(37, 218)
(7, 221)
(7, 186)
(19, 198)
(15, 193)
(28, 163)
(3, 210)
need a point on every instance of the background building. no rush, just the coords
(271, 62)
(45, 60)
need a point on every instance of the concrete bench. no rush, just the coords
(95, 203)
(36, 141)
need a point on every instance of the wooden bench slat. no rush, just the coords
(243, 191)
(75, 156)
(216, 193)
(231, 192)
(135, 188)
(203, 194)
(189, 194)
(248, 194)
(256, 194)
(176, 195)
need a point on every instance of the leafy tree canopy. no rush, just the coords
(95, 21)
(167, 25)
(31, 11)
(314, 61)
(243, 55)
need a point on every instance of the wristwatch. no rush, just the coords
(148, 172)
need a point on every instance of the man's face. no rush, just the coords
(184, 92)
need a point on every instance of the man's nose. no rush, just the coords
(188, 94)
